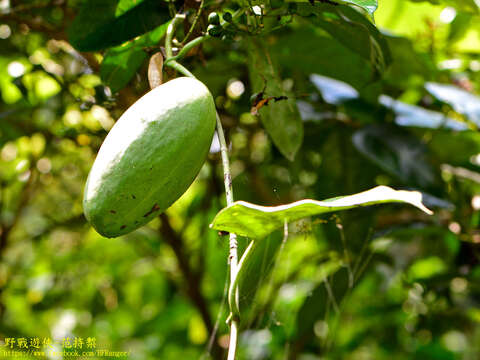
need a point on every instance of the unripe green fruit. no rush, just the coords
(227, 17)
(150, 157)
(214, 30)
(213, 18)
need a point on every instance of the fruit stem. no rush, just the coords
(169, 34)
(180, 68)
(227, 177)
(233, 253)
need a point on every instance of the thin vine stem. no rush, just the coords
(233, 246)
(233, 290)
(195, 20)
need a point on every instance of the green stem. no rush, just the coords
(232, 347)
(197, 16)
(171, 8)
(169, 35)
(233, 253)
(233, 289)
(180, 68)
(189, 46)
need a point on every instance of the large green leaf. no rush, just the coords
(321, 55)
(122, 62)
(256, 222)
(396, 152)
(256, 266)
(352, 29)
(279, 116)
(98, 26)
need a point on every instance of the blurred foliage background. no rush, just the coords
(386, 103)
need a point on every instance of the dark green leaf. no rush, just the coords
(322, 55)
(352, 29)
(324, 297)
(396, 152)
(280, 114)
(97, 27)
(256, 267)
(119, 66)
(122, 62)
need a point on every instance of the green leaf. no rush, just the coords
(416, 116)
(352, 29)
(396, 152)
(97, 25)
(463, 5)
(256, 266)
(120, 65)
(368, 5)
(122, 62)
(281, 117)
(256, 222)
(321, 55)
(462, 101)
(318, 302)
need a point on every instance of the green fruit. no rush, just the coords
(150, 157)
(213, 18)
(214, 30)
(227, 17)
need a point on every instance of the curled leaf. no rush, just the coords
(256, 222)
(155, 69)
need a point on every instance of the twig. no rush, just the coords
(194, 23)
(345, 254)
(171, 8)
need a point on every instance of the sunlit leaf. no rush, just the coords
(255, 221)
(464, 5)
(416, 116)
(333, 91)
(368, 5)
(460, 100)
